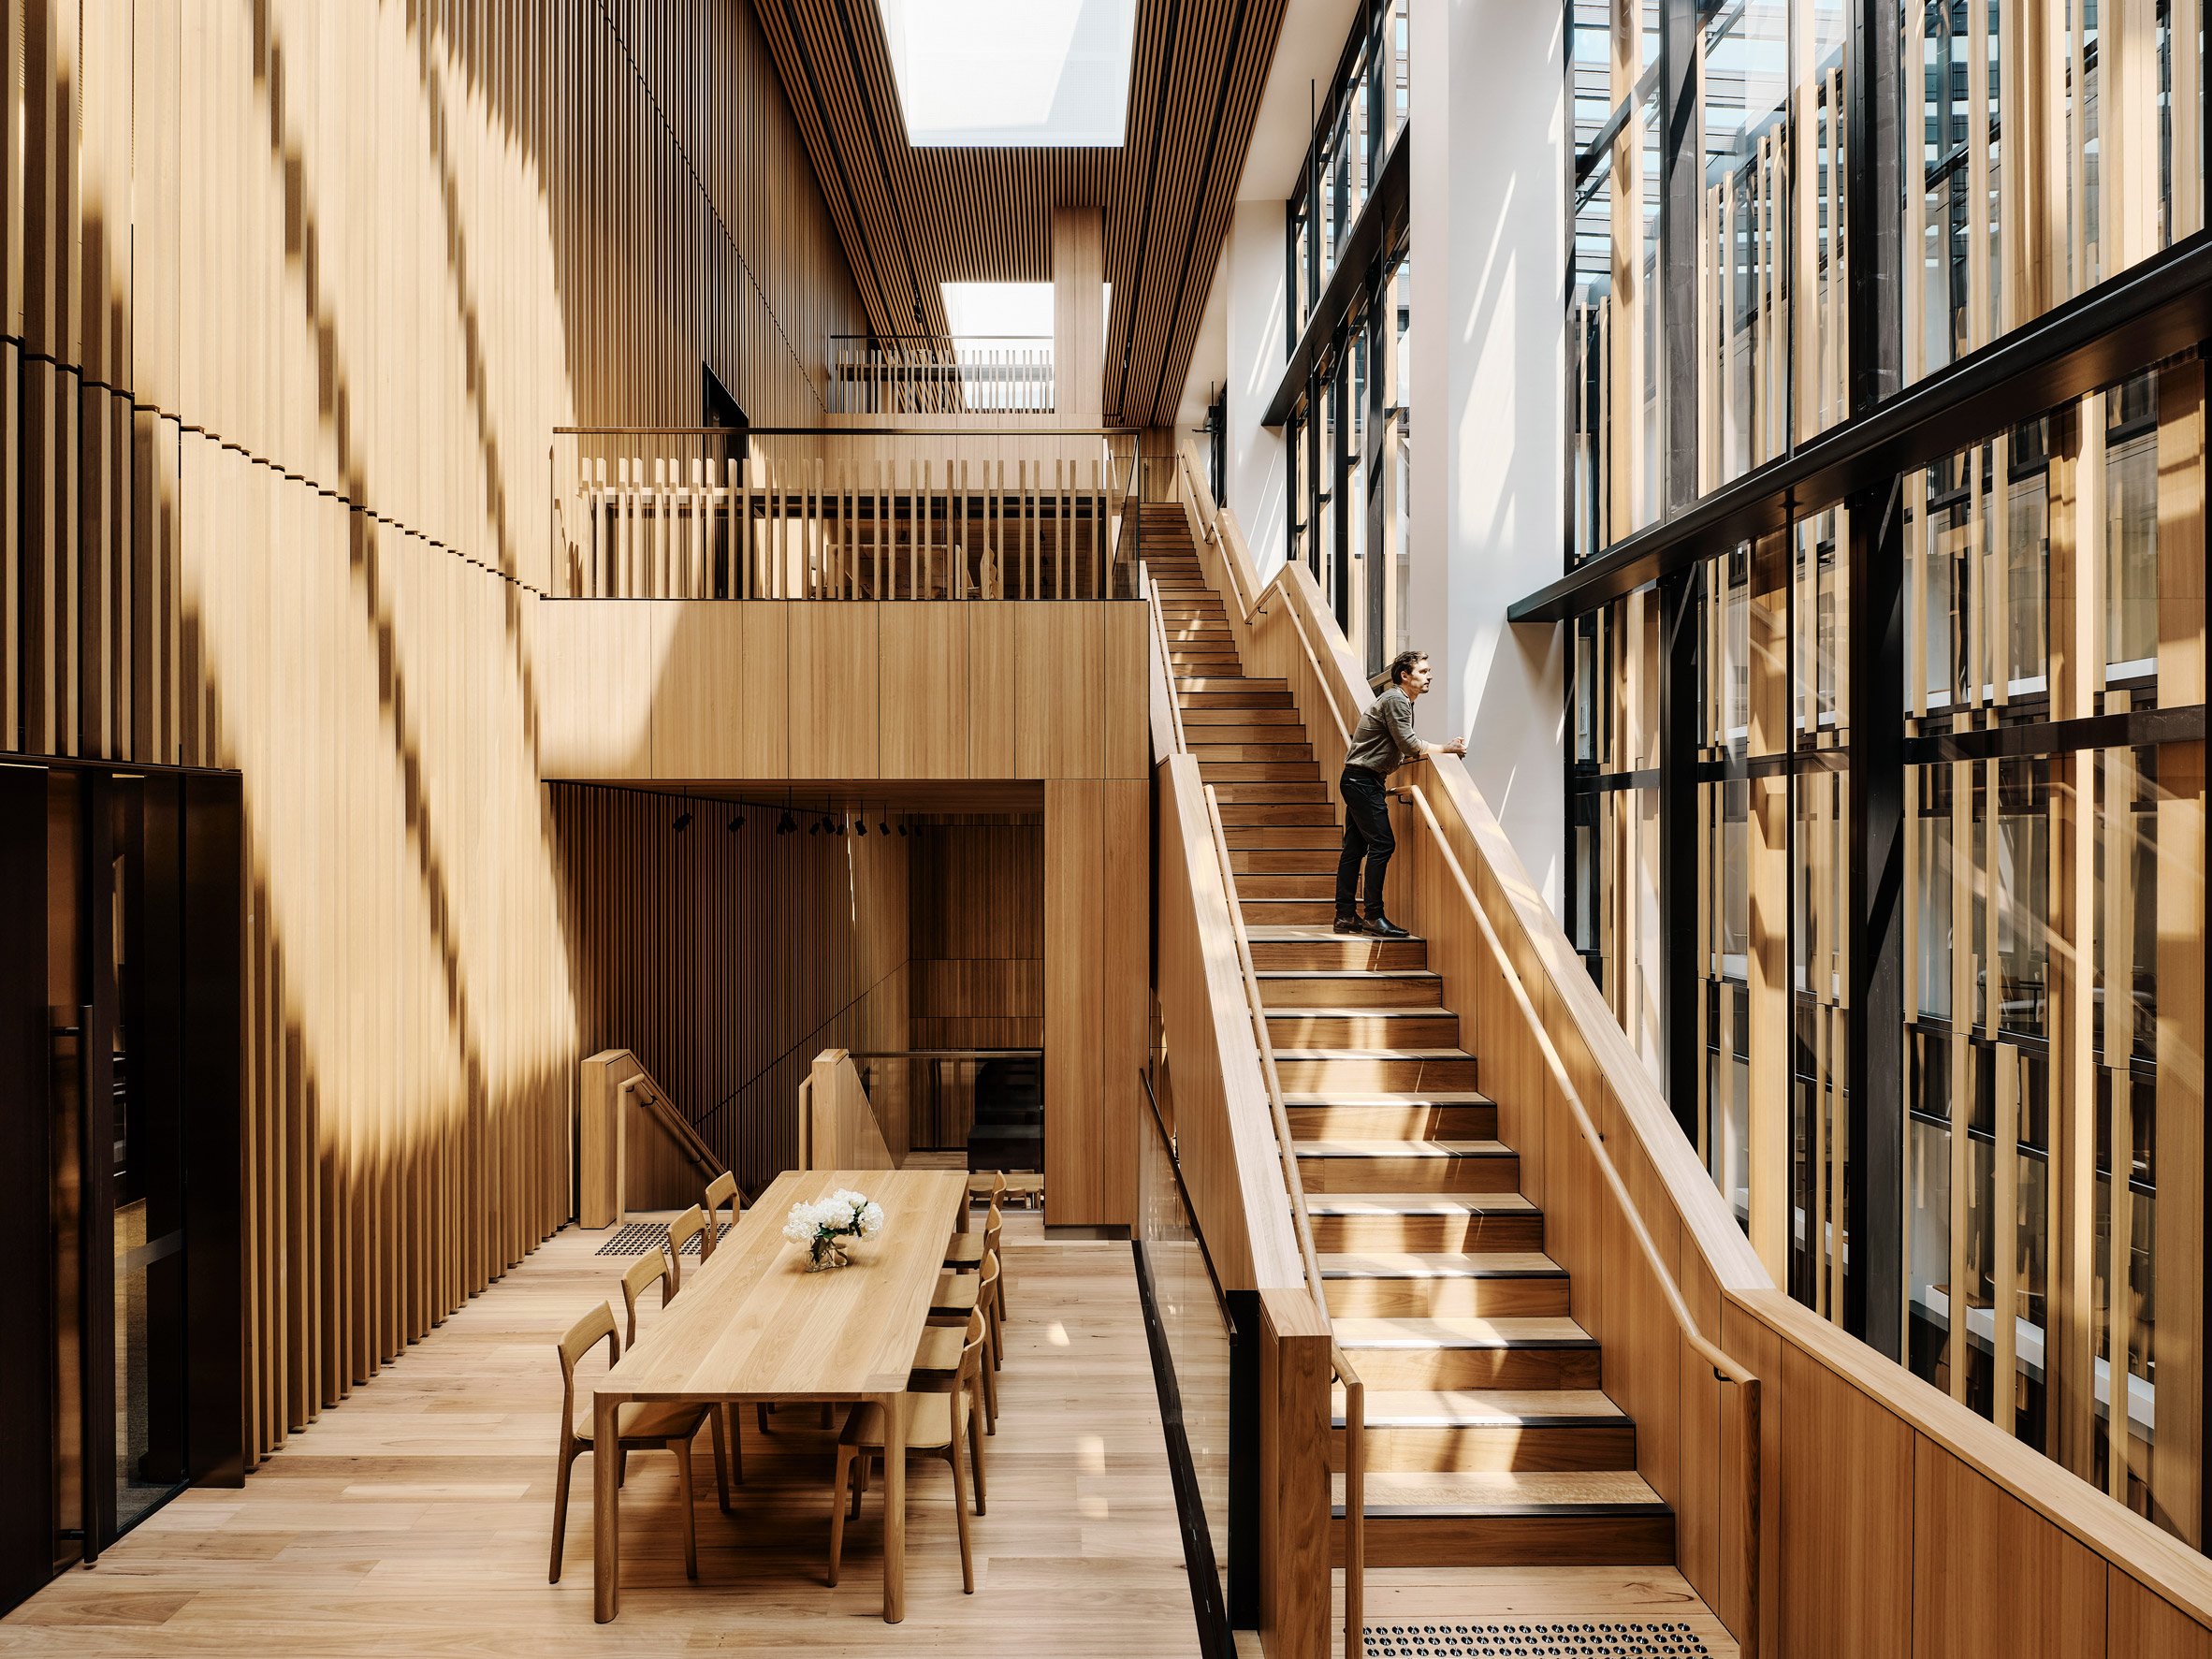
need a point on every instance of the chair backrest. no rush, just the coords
(587, 1333)
(722, 1190)
(989, 1278)
(643, 1272)
(993, 1224)
(691, 1225)
(970, 1374)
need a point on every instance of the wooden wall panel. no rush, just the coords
(925, 706)
(293, 294)
(834, 669)
(1096, 990)
(720, 679)
(1990, 1577)
(1836, 1441)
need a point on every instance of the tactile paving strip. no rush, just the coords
(635, 1238)
(1534, 1641)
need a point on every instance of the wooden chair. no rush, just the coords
(642, 1425)
(966, 1250)
(691, 1225)
(635, 1283)
(940, 1352)
(641, 1277)
(939, 1424)
(722, 1190)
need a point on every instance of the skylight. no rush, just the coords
(999, 311)
(1002, 73)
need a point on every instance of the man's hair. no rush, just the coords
(1402, 664)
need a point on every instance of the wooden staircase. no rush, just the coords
(1490, 1440)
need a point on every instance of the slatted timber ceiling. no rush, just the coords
(913, 218)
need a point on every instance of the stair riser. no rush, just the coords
(1395, 1450)
(1277, 720)
(1377, 1029)
(1415, 991)
(1264, 884)
(1411, 1174)
(1238, 815)
(1269, 793)
(1324, 838)
(1393, 1123)
(1477, 1368)
(1220, 696)
(1426, 1234)
(1370, 1077)
(1259, 772)
(1563, 1538)
(1446, 1299)
(1225, 754)
(1283, 861)
(1347, 951)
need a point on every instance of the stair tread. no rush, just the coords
(1463, 1332)
(1388, 1010)
(1453, 1408)
(1348, 1146)
(1418, 1203)
(1504, 1491)
(1383, 1097)
(1401, 1264)
(1344, 973)
(1291, 932)
(1372, 1054)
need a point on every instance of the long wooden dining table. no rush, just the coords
(752, 1323)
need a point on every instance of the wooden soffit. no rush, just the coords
(912, 218)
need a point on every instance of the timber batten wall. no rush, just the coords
(294, 294)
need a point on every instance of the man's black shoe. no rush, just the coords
(1350, 925)
(1379, 926)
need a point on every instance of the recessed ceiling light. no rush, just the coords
(1011, 73)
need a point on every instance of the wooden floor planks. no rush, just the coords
(414, 1519)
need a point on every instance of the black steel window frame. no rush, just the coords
(2159, 308)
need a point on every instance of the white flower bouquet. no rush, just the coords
(824, 1225)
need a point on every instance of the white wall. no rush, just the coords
(1252, 269)
(1489, 233)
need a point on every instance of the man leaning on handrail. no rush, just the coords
(1381, 743)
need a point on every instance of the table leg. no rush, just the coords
(894, 1507)
(607, 1499)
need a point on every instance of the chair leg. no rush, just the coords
(990, 1374)
(683, 1487)
(975, 1448)
(722, 1458)
(960, 1510)
(568, 1460)
(839, 1482)
(761, 1415)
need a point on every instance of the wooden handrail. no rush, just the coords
(1724, 1367)
(1355, 1391)
(648, 1092)
(1163, 679)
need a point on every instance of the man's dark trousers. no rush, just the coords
(1366, 834)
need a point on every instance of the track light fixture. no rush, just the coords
(683, 822)
(860, 824)
(814, 829)
(837, 827)
(902, 829)
(784, 826)
(736, 824)
(884, 826)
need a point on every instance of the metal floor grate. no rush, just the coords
(635, 1238)
(1536, 1641)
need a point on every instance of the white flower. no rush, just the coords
(804, 1222)
(870, 1221)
